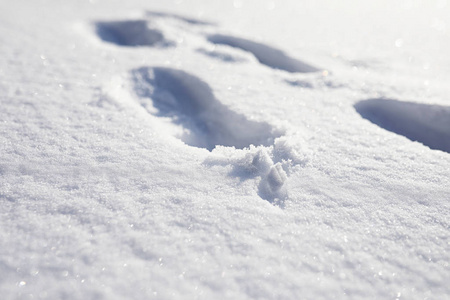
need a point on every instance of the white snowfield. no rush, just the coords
(246, 149)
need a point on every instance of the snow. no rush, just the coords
(166, 150)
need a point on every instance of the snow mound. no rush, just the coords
(270, 167)
(129, 33)
(265, 54)
(190, 102)
(427, 124)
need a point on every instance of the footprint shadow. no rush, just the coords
(190, 102)
(130, 33)
(267, 55)
(427, 124)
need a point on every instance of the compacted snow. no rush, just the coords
(245, 149)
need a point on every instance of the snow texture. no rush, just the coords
(159, 150)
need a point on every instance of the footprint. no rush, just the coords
(427, 124)
(130, 33)
(265, 54)
(190, 102)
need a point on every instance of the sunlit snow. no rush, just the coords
(247, 149)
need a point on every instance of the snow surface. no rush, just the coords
(166, 150)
